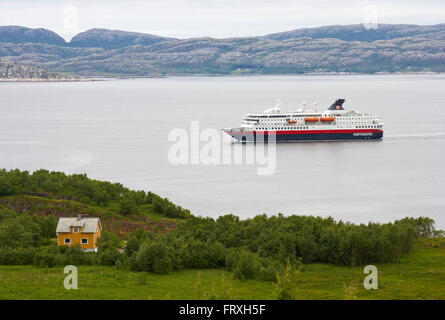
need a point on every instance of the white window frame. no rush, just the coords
(81, 241)
(74, 229)
(69, 241)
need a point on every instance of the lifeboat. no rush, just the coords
(311, 119)
(291, 121)
(327, 119)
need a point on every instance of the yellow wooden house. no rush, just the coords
(81, 231)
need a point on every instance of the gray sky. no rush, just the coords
(214, 18)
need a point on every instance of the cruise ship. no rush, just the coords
(307, 124)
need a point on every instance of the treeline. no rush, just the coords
(259, 247)
(314, 239)
(80, 188)
(253, 248)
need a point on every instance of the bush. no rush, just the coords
(75, 255)
(17, 256)
(134, 241)
(156, 257)
(286, 288)
(158, 206)
(127, 206)
(108, 257)
(108, 240)
(19, 230)
(232, 257)
(198, 254)
(269, 269)
(248, 265)
(49, 256)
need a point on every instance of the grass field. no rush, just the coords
(418, 275)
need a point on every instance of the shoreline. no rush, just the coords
(133, 77)
(48, 80)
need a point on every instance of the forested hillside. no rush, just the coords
(256, 248)
(121, 210)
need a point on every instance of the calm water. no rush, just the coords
(117, 130)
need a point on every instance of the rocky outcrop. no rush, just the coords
(18, 71)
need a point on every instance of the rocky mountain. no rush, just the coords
(17, 71)
(99, 52)
(17, 34)
(358, 32)
(104, 38)
(101, 38)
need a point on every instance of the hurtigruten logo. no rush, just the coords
(211, 147)
(362, 134)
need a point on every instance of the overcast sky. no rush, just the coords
(213, 18)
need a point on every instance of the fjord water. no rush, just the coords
(118, 130)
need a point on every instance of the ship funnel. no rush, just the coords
(337, 105)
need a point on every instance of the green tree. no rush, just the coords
(156, 257)
(127, 206)
(248, 265)
(286, 287)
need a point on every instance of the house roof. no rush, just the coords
(89, 225)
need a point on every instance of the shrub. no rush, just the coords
(49, 256)
(269, 269)
(286, 288)
(232, 257)
(198, 254)
(158, 206)
(74, 255)
(248, 265)
(108, 257)
(156, 257)
(17, 256)
(127, 206)
(108, 240)
(134, 241)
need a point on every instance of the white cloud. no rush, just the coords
(216, 18)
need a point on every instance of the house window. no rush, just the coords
(67, 241)
(84, 241)
(75, 229)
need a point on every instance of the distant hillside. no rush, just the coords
(357, 32)
(104, 38)
(101, 52)
(44, 193)
(101, 38)
(17, 71)
(17, 34)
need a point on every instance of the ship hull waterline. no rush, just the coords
(305, 136)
